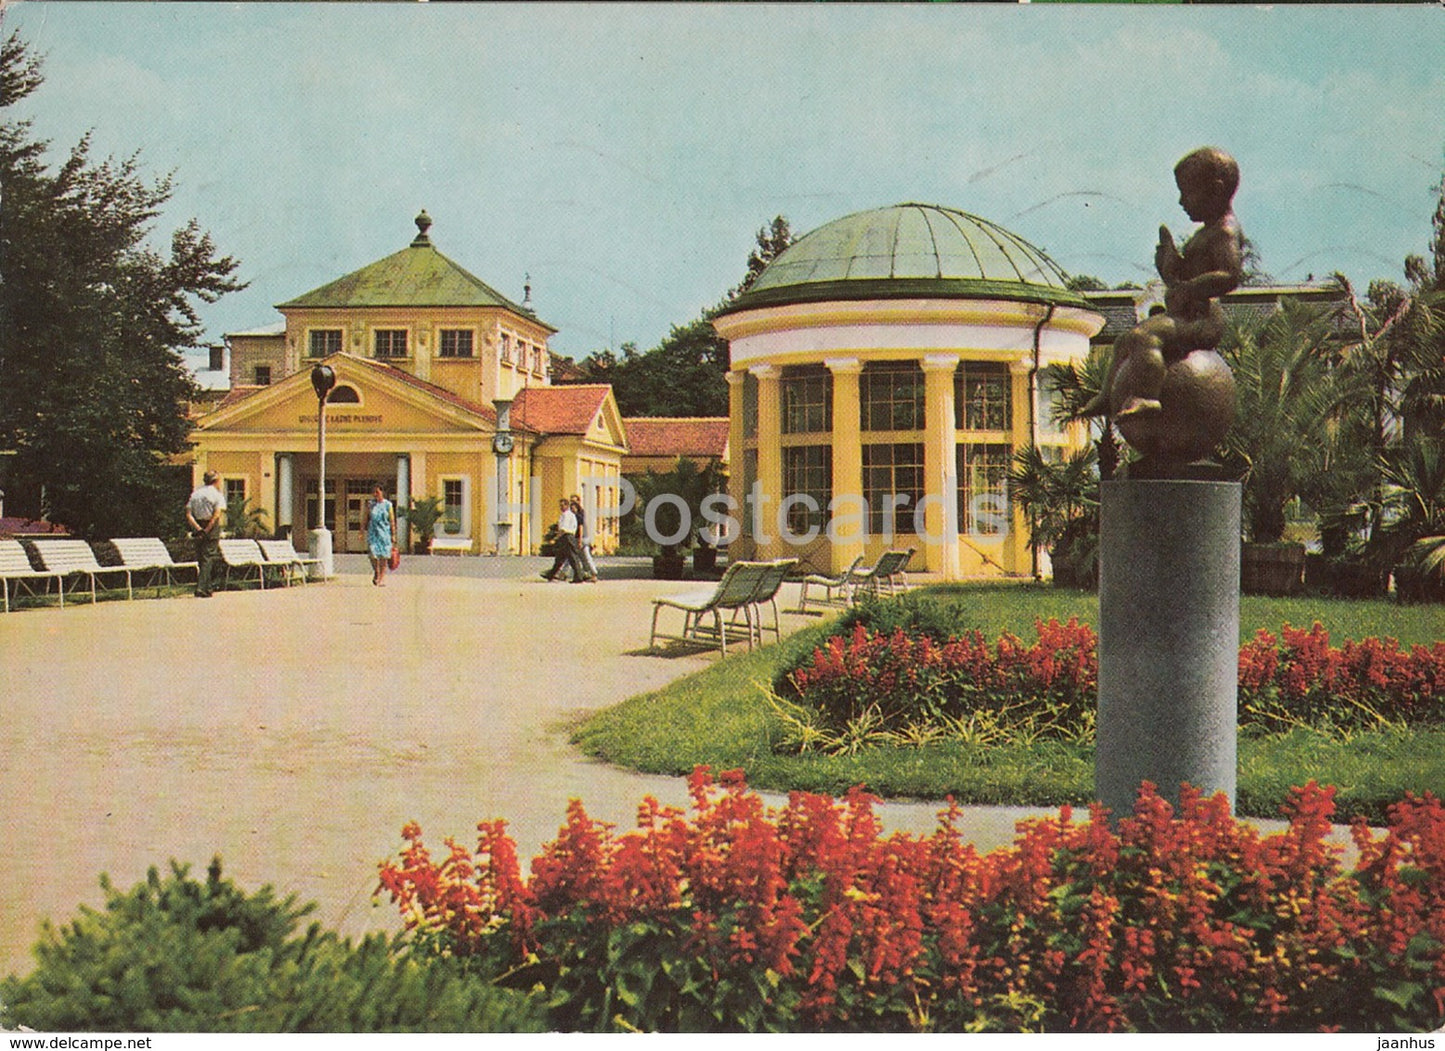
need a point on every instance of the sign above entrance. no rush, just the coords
(343, 418)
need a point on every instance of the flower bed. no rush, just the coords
(901, 686)
(737, 917)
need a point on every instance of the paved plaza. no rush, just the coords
(294, 731)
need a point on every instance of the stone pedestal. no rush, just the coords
(318, 543)
(1168, 638)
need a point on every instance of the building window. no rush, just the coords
(750, 405)
(506, 349)
(390, 342)
(892, 486)
(807, 399)
(235, 490)
(982, 397)
(311, 521)
(807, 475)
(263, 375)
(323, 342)
(983, 503)
(891, 396)
(343, 394)
(455, 520)
(218, 358)
(456, 343)
(750, 479)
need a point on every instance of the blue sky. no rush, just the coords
(624, 156)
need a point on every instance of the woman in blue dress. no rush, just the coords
(380, 534)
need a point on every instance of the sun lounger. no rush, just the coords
(148, 554)
(886, 576)
(769, 584)
(74, 558)
(843, 583)
(15, 568)
(733, 593)
(291, 562)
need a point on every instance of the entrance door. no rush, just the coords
(351, 535)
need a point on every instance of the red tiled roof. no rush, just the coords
(235, 394)
(677, 435)
(559, 410)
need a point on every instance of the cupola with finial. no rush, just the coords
(423, 224)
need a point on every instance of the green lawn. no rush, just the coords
(721, 716)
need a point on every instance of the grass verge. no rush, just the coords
(721, 717)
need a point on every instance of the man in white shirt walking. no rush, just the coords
(566, 544)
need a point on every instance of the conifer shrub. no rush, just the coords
(176, 954)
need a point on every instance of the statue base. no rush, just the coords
(1168, 638)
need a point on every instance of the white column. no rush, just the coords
(403, 499)
(285, 492)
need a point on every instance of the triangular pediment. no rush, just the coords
(368, 397)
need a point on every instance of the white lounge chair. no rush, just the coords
(148, 554)
(15, 568)
(291, 562)
(245, 555)
(74, 558)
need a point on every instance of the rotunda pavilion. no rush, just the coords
(885, 369)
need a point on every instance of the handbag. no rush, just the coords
(395, 556)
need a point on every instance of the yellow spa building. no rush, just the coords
(426, 357)
(884, 370)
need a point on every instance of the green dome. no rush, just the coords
(909, 251)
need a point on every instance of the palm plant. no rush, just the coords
(245, 519)
(423, 514)
(1075, 386)
(1061, 502)
(1411, 536)
(1292, 411)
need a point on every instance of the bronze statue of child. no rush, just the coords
(1211, 265)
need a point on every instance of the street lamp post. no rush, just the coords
(323, 378)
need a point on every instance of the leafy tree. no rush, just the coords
(1085, 283)
(772, 240)
(93, 320)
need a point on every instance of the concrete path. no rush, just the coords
(295, 731)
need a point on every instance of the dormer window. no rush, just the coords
(263, 375)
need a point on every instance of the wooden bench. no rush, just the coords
(15, 567)
(148, 554)
(74, 558)
(291, 562)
